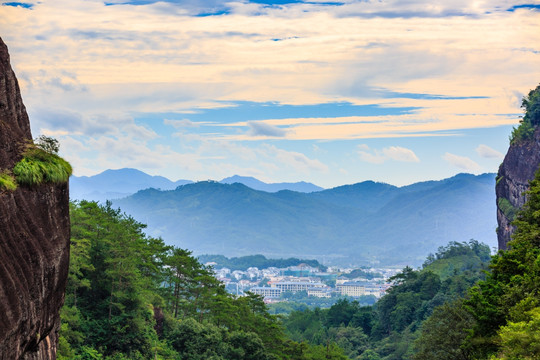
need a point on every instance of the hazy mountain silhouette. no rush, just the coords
(255, 184)
(365, 222)
(116, 184)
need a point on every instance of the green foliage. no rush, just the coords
(286, 307)
(521, 133)
(444, 333)
(129, 296)
(531, 105)
(521, 340)
(47, 144)
(7, 182)
(369, 355)
(507, 209)
(458, 258)
(39, 166)
(389, 329)
(357, 273)
(512, 288)
(259, 261)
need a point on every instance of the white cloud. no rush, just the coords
(158, 57)
(487, 152)
(183, 123)
(461, 162)
(62, 121)
(374, 158)
(396, 153)
(85, 80)
(293, 159)
(363, 147)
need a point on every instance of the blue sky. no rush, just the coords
(330, 92)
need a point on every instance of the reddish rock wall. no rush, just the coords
(34, 241)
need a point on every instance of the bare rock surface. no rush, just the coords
(518, 168)
(34, 241)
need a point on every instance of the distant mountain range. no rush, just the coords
(361, 223)
(116, 184)
(255, 184)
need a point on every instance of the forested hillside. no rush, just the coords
(450, 309)
(388, 329)
(259, 261)
(362, 223)
(129, 296)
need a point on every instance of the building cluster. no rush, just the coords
(272, 282)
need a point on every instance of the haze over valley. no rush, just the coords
(364, 223)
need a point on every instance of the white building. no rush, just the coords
(295, 286)
(266, 292)
(356, 289)
(320, 292)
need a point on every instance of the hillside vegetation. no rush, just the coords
(130, 296)
(388, 329)
(259, 261)
(358, 223)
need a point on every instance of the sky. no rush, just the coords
(329, 92)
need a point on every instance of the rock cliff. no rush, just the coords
(34, 241)
(518, 168)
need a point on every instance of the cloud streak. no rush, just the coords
(461, 162)
(488, 153)
(288, 74)
(395, 153)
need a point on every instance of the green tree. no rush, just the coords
(531, 105)
(351, 339)
(47, 144)
(521, 340)
(369, 355)
(513, 286)
(444, 333)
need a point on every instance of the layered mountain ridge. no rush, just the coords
(119, 183)
(365, 222)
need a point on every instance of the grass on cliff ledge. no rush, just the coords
(39, 166)
(7, 181)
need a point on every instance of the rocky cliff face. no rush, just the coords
(518, 168)
(34, 241)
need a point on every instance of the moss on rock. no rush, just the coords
(7, 181)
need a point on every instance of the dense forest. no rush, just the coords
(389, 329)
(129, 296)
(450, 309)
